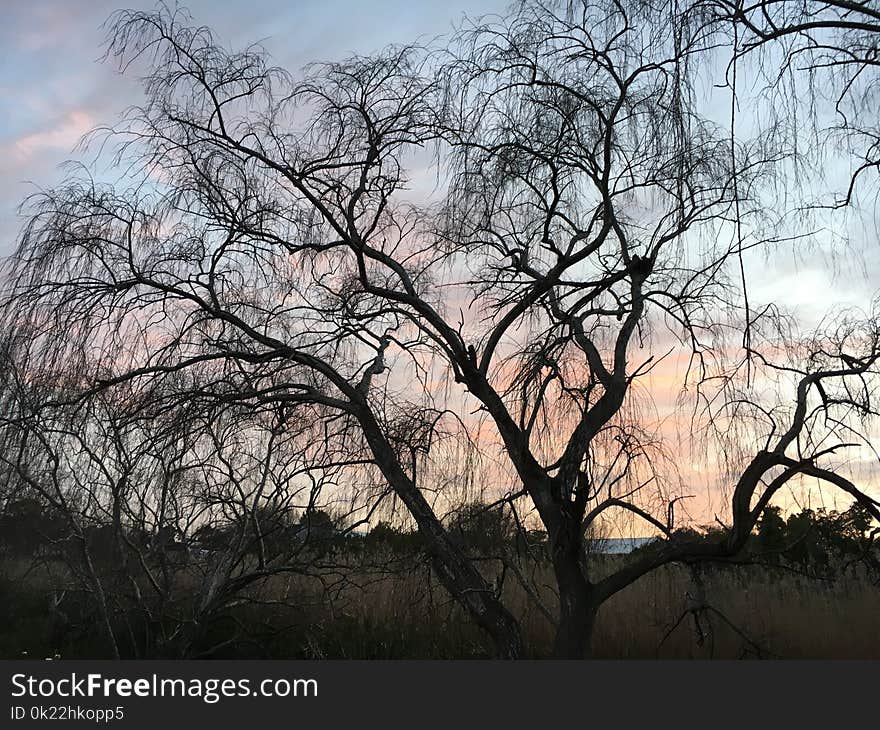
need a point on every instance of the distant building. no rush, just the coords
(617, 545)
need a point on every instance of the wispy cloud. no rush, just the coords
(62, 136)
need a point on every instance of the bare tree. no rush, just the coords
(588, 223)
(815, 64)
(173, 512)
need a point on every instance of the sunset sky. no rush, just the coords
(54, 88)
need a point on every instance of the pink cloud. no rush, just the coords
(64, 135)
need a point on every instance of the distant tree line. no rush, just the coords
(817, 542)
(820, 541)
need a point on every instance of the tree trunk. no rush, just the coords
(577, 604)
(101, 596)
(453, 568)
(467, 586)
(574, 633)
(577, 614)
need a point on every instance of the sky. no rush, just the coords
(54, 88)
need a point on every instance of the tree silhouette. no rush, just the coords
(588, 225)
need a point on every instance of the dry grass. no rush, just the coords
(758, 612)
(752, 612)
